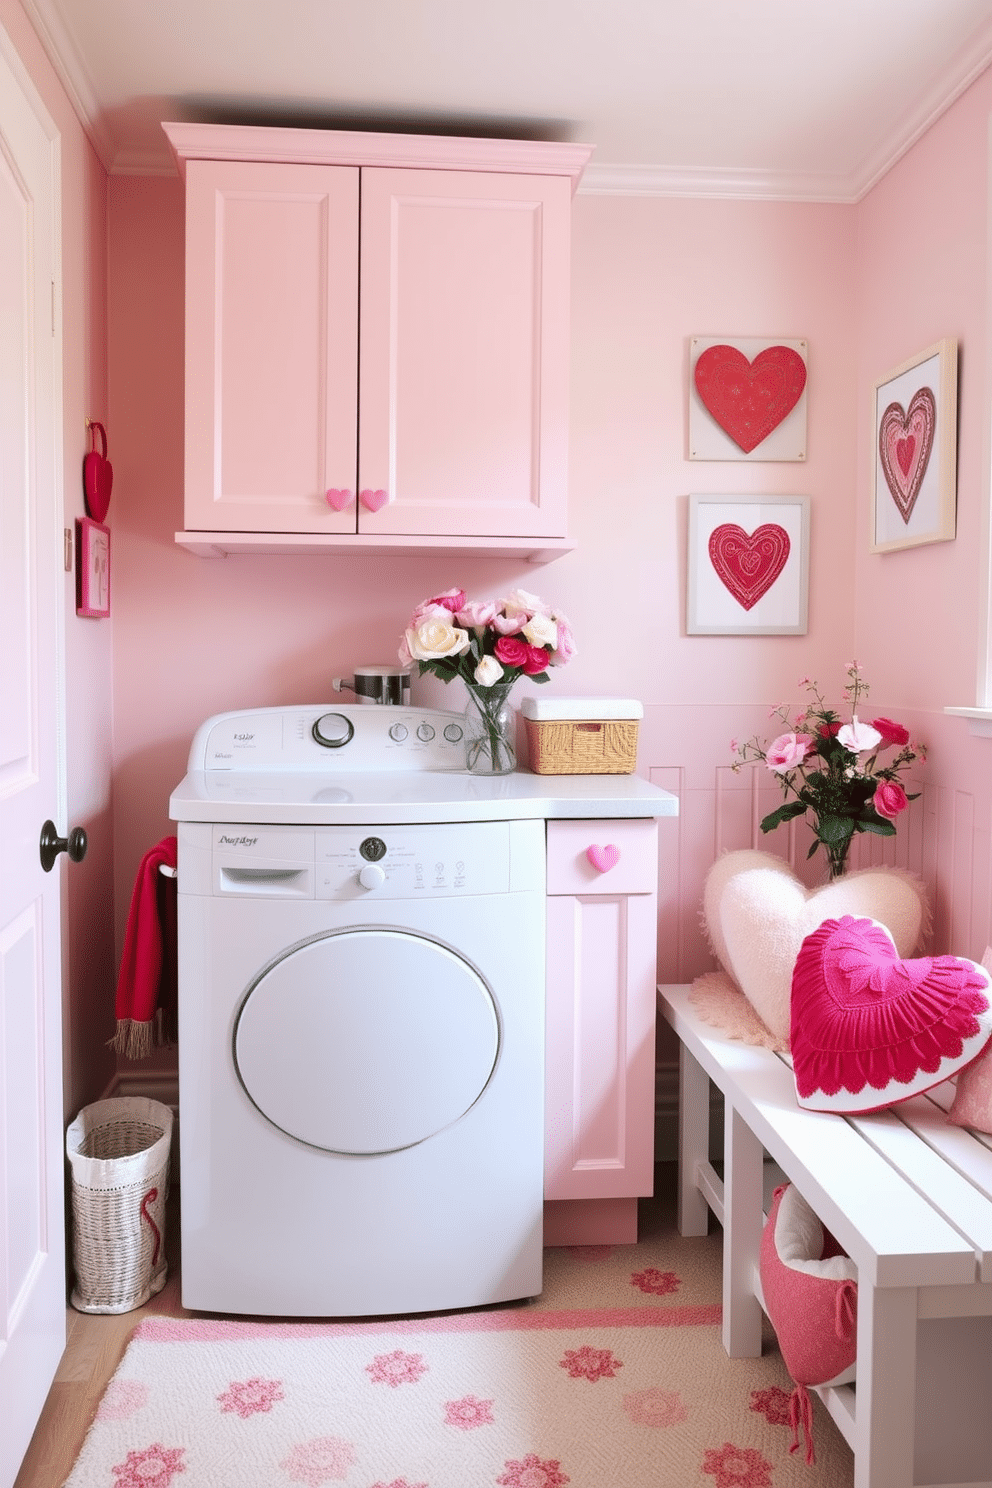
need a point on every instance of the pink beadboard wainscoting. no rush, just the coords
(945, 837)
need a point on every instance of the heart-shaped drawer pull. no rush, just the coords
(603, 857)
(339, 499)
(374, 501)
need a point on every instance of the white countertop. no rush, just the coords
(301, 798)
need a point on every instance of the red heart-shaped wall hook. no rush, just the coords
(98, 476)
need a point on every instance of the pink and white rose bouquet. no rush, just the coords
(836, 770)
(486, 643)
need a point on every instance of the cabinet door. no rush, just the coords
(271, 346)
(599, 1137)
(464, 353)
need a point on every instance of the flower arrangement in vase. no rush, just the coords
(834, 770)
(488, 644)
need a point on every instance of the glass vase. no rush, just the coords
(489, 731)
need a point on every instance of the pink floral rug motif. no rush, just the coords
(516, 1397)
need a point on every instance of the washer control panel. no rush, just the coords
(335, 736)
(412, 862)
(355, 862)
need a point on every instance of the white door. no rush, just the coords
(32, 1264)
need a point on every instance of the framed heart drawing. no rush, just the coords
(92, 568)
(747, 399)
(748, 565)
(914, 454)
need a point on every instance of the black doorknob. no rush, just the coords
(52, 844)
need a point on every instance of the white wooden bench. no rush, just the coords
(908, 1196)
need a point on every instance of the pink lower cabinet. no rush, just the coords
(601, 974)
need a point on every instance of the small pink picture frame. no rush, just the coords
(92, 568)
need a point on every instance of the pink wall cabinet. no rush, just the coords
(376, 340)
(271, 346)
(599, 1109)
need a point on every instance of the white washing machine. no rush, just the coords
(361, 1017)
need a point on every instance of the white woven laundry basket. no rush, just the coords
(118, 1151)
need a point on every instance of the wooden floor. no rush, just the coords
(94, 1348)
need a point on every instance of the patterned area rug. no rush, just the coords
(632, 1388)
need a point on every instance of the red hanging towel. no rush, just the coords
(146, 985)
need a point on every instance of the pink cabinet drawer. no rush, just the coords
(602, 857)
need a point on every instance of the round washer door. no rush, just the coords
(366, 1041)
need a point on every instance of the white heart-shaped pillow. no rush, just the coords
(757, 914)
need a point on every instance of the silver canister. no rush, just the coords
(388, 685)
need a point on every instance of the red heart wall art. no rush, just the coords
(749, 399)
(748, 565)
(98, 475)
(905, 439)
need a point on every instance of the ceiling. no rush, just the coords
(763, 98)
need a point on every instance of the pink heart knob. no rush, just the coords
(603, 858)
(339, 499)
(374, 500)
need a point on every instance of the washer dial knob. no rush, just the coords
(372, 876)
(453, 732)
(398, 732)
(425, 733)
(333, 730)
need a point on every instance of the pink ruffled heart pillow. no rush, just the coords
(757, 914)
(870, 1029)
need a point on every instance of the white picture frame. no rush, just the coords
(914, 451)
(747, 565)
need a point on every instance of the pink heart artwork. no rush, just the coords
(749, 399)
(374, 500)
(339, 499)
(748, 565)
(603, 858)
(905, 439)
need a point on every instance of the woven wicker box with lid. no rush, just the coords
(582, 736)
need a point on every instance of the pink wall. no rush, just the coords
(923, 267)
(648, 274)
(196, 636)
(923, 275)
(88, 899)
(866, 285)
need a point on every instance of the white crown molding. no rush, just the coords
(599, 179)
(755, 185)
(967, 65)
(751, 185)
(63, 53)
(145, 162)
